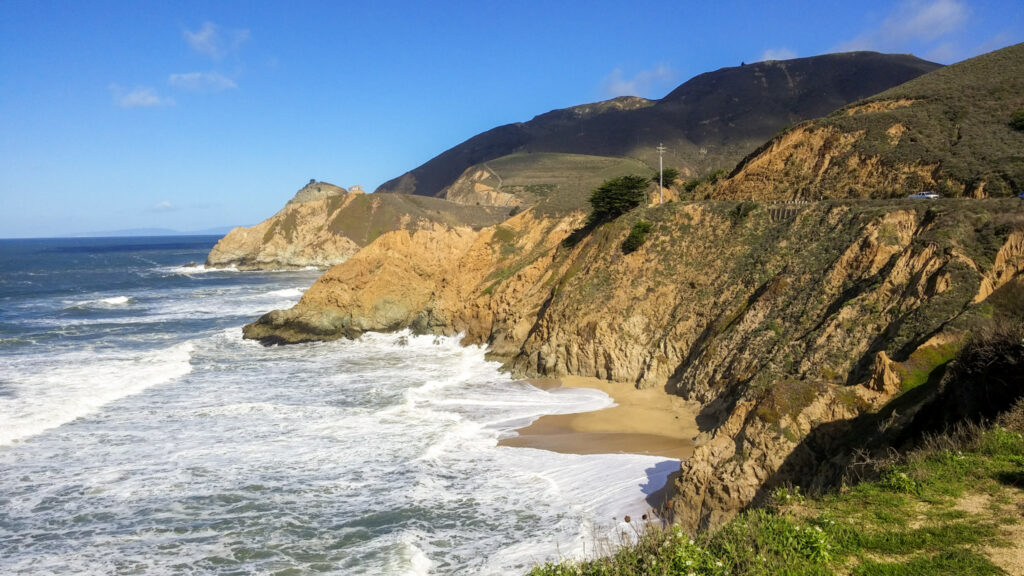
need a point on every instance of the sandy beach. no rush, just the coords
(642, 422)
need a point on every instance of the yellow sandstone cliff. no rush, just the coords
(324, 225)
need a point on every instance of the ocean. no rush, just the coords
(140, 434)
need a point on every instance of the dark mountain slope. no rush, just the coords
(709, 122)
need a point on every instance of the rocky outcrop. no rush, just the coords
(280, 242)
(317, 191)
(884, 378)
(324, 225)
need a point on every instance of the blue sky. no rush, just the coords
(191, 115)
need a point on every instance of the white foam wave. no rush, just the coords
(418, 563)
(204, 269)
(81, 384)
(116, 300)
(197, 269)
(285, 293)
(179, 304)
(112, 302)
(349, 436)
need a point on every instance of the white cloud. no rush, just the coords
(1000, 40)
(202, 81)
(946, 52)
(781, 53)
(912, 23)
(139, 97)
(212, 42)
(163, 206)
(615, 84)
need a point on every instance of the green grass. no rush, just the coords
(953, 562)
(906, 522)
(557, 183)
(922, 362)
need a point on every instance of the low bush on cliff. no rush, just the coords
(950, 507)
(637, 236)
(1017, 122)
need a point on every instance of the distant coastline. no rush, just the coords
(131, 233)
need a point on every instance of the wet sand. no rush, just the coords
(642, 422)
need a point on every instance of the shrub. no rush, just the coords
(717, 175)
(899, 481)
(739, 213)
(1017, 122)
(637, 236)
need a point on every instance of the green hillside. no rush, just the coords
(950, 131)
(368, 216)
(959, 119)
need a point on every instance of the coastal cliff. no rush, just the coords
(806, 331)
(773, 326)
(324, 225)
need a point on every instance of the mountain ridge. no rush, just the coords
(709, 122)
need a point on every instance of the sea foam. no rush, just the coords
(78, 384)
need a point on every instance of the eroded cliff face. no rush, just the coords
(777, 321)
(324, 225)
(278, 243)
(814, 162)
(475, 186)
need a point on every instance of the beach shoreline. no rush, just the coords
(650, 422)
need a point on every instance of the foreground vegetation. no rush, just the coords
(947, 508)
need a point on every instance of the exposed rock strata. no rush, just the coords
(776, 326)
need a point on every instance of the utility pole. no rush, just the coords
(661, 173)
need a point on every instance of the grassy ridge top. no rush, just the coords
(948, 131)
(959, 118)
(555, 183)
